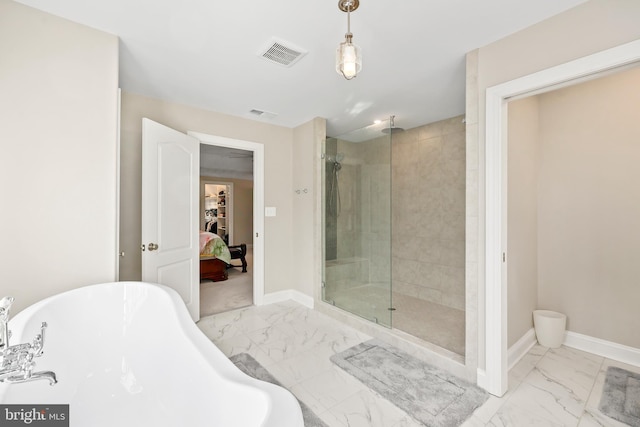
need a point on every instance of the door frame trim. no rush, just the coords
(258, 202)
(495, 378)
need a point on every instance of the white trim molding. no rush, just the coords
(481, 379)
(495, 164)
(608, 349)
(289, 294)
(258, 203)
(521, 347)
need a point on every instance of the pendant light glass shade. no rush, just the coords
(348, 58)
(348, 55)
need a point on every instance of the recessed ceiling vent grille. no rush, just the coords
(282, 52)
(262, 114)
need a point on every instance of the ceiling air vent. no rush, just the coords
(282, 52)
(262, 114)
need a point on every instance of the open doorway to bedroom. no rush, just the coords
(226, 229)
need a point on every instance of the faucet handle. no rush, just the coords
(38, 342)
(5, 306)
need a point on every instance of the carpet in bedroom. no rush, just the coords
(235, 292)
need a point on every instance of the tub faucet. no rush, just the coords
(16, 361)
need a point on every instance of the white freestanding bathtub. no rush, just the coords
(128, 354)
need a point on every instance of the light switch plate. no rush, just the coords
(270, 211)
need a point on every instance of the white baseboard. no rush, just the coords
(287, 295)
(481, 379)
(608, 349)
(521, 347)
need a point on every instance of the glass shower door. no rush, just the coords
(357, 223)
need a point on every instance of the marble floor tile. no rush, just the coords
(242, 344)
(513, 416)
(217, 329)
(547, 387)
(474, 421)
(555, 406)
(305, 364)
(243, 320)
(303, 395)
(332, 386)
(521, 369)
(567, 368)
(493, 404)
(367, 409)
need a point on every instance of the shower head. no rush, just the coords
(392, 126)
(335, 159)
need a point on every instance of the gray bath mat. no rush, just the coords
(250, 366)
(621, 396)
(430, 395)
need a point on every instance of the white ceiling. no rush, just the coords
(225, 162)
(204, 53)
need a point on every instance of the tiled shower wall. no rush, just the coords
(427, 243)
(362, 227)
(375, 218)
(428, 199)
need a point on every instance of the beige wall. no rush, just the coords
(522, 216)
(586, 29)
(58, 127)
(589, 206)
(306, 211)
(574, 214)
(278, 142)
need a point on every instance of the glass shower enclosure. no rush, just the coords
(357, 222)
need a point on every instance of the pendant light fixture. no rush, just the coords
(348, 55)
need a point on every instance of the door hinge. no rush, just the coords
(504, 257)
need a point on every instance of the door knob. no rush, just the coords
(152, 247)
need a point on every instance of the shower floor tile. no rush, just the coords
(437, 324)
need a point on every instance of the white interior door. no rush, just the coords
(170, 201)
